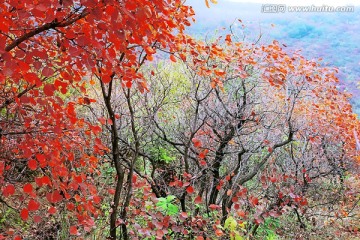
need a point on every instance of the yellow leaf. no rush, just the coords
(230, 224)
(242, 225)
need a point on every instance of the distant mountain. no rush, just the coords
(333, 36)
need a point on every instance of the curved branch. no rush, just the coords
(47, 26)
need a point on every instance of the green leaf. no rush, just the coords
(172, 209)
(230, 224)
(170, 198)
(238, 237)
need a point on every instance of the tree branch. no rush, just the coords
(47, 26)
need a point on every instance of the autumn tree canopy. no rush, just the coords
(111, 117)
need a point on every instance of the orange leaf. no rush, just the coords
(220, 73)
(54, 197)
(41, 158)
(28, 188)
(96, 129)
(149, 50)
(102, 120)
(228, 38)
(24, 214)
(172, 58)
(198, 200)
(182, 56)
(49, 90)
(46, 180)
(219, 232)
(33, 205)
(241, 213)
(207, 3)
(73, 230)
(70, 206)
(202, 162)
(52, 210)
(32, 164)
(47, 72)
(197, 142)
(190, 190)
(214, 206)
(143, 87)
(202, 155)
(254, 201)
(150, 57)
(8, 190)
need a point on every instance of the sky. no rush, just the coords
(312, 32)
(302, 2)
